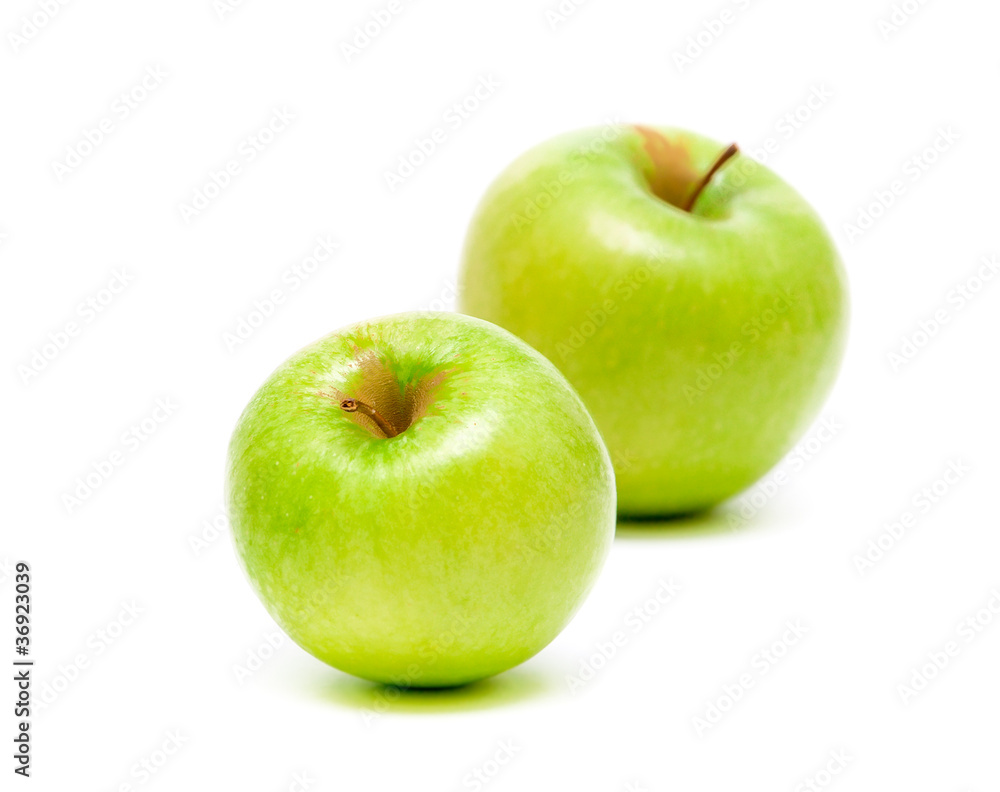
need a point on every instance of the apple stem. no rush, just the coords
(356, 405)
(726, 155)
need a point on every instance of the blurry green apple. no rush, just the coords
(695, 301)
(420, 500)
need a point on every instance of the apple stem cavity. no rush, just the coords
(356, 405)
(723, 158)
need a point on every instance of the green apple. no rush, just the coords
(420, 500)
(694, 300)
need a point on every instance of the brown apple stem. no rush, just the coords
(356, 405)
(726, 155)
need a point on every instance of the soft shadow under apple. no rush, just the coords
(507, 688)
(712, 522)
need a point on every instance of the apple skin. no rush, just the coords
(640, 304)
(446, 554)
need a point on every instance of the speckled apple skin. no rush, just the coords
(449, 553)
(702, 343)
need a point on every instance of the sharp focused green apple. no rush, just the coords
(420, 500)
(698, 306)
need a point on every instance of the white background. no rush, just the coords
(173, 670)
